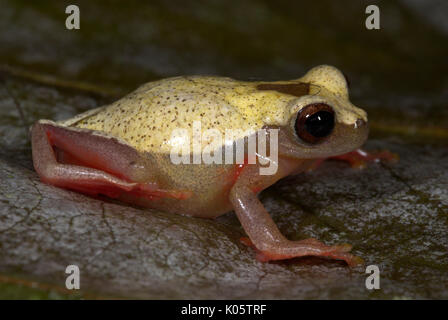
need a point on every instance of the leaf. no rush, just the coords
(394, 215)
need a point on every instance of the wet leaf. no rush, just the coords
(396, 216)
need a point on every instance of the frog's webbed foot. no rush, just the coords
(268, 241)
(360, 158)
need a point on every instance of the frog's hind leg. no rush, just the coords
(86, 161)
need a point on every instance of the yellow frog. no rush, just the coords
(125, 150)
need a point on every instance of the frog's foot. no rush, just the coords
(307, 247)
(359, 158)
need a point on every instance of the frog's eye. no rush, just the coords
(314, 122)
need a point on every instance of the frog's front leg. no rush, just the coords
(359, 158)
(267, 239)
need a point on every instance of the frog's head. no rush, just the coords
(324, 122)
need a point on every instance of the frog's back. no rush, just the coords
(147, 117)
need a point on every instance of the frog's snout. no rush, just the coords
(361, 131)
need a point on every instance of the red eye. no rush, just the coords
(314, 122)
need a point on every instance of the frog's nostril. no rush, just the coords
(359, 123)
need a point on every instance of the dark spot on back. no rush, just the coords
(295, 89)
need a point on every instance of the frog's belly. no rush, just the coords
(193, 206)
(208, 187)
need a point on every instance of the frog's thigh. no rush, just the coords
(93, 161)
(92, 149)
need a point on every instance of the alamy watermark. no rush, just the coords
(73, 20)
(373, 280)
(72, 282)
(373, 20)
(188, 148)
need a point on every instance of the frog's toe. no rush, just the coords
(307, 247)
(384, 155)
(341, 252)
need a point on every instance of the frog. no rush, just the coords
(123, 150)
